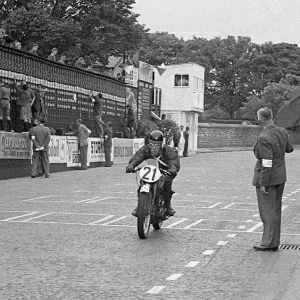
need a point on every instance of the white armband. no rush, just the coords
(267, 163)
(33, 137)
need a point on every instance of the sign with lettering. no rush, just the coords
(96, 150)
(58, 149)
(73, 158)
(14, 146)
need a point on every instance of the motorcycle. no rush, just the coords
(151, 208)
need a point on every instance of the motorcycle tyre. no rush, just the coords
(143, 220)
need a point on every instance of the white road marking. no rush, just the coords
(106, 198)
(242, 227)
(174, 276)
(214, 205)
(227, 206)
(231, 235)
(37, 217)
(289, 195)
(113, 221)
(103, 219)
(42, 197)
(255, 215)
(156, 289)
(255, 227)
(193, 224)
(176, 223)
(17, 217)
(292, 199)
(284, 207)
(222, 243)
(86, 200)
(192, 264)
(208, 252)
(284, 197)
(249, 221)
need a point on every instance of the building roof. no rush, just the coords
(184, 65)
(113, 61)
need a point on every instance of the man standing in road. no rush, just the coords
(97, 113)
(4, 106)
(83, 134)
(107, 143)
(181, 142)
(40, 136)
(270, 177)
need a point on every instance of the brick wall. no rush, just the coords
(213, 135)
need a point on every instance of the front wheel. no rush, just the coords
(144, 215)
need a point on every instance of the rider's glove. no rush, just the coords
(129, 168)
(173, 172)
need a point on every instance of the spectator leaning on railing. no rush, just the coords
(34, 49)
(4, 106)
(4, 38)
(53, 54)
(62, 59)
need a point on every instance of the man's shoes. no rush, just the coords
(47, 176)
(135, 212)
(82, 168)
(32, 176)
(264, 248)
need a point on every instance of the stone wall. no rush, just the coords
(214, 135)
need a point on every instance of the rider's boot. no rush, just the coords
(135, 212)
(170, 209)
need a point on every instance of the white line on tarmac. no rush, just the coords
(106, 198)
(17, 217)
(284, 207)
(255, 227)
(192, 264)
(214, 205)
(208, 252)
(42, 197)
(156, 289)
(40, 216)
(176, 223)
(113, 221)
(103, 219)
(242, 227)
(249, 221)
(174, 276)
(231, 235)
(255, 215)
(193, 224)
(227, 206)
(86, 200)
(222, 243)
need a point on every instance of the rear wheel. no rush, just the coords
(144, 216)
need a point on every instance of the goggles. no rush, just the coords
(154, 146)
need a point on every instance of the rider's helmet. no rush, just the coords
(156, 140)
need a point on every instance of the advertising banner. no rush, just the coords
(96, 150)
(58, 149)
(137, 144)
(73, 159)
(123, 150)
(14, 146)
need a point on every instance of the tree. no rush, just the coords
(102, 27)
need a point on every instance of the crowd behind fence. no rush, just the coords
(66, 90)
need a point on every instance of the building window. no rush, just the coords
(198, 84)
(181, 80)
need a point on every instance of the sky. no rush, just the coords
(261, 20)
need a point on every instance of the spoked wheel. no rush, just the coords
(144, 216)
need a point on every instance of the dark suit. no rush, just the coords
(40, 136)
(107, 145)
(270, 172)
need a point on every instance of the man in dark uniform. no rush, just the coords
(130, 121)
(40, 136)
(97, 113)
(167, 158)
(4, 105)
(107, 143)
(38, 105)
(270, 177)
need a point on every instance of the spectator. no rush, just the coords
(120, 77)
(97, 113)
(79, 63)
(25, 100)
(4, 106)
(18, 45)
(62, 60)
(53, 54)
(34, 49)
(130, 121)
(181, 142)
(83, 134)
(40, 137)
(4, 38)
(107, 143)
(38, 106)
(186, 135)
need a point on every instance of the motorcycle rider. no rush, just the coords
(167, 158)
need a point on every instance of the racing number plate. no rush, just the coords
(150, 173)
